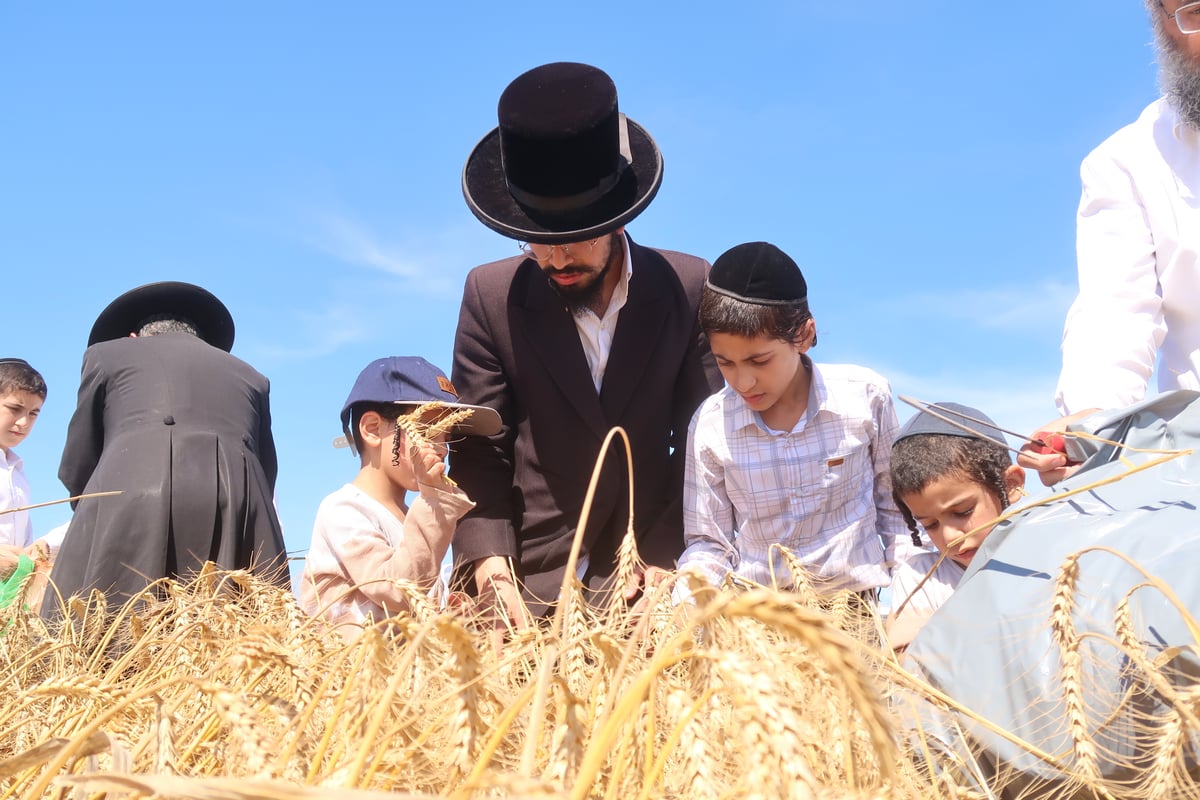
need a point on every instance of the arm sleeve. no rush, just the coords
(889, 522)
(699, 378)
(1115, 326)
(266, 440)
(359, 555)
(708, 518)
(483, 466)
(85, 431)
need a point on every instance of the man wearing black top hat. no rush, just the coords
(586, 330)
(182, 429)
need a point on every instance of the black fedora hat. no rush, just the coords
(201, 307)
(563, 165)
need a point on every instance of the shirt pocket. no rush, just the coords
(836, 480)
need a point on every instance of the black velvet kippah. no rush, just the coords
(20, 361)
(759, 273)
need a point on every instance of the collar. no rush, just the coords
(628, 259)
(9, 459)
(1180, 130)
(620, 293)
(742, 416)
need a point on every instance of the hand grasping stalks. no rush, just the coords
(425, 428)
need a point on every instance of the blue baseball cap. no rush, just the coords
(411, 380)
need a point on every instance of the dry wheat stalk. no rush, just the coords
(1062, 627)
(595, 704)
(662, 733)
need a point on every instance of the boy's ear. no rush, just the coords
(370, 427)
(806, 336)
(1014, 482)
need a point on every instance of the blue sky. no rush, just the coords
(302, 161)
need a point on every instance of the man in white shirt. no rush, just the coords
(1138, 243)
(1138, 239)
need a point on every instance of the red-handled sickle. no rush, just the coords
(1044, 442)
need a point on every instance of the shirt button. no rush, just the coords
(168, 420)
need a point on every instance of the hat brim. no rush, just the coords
(487, 195)
(125, 314)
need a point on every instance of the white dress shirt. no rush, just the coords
(596, 336)
(822, 489)
(15, 528)
(912, 566)
(1138, 240)
(595, 332)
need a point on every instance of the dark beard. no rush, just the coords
(587, 298)
(582, 298)
(1179, 78)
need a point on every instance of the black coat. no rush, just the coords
(517, 350)
(183, 429)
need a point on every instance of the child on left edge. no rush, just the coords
(370, 548)
(22, 394)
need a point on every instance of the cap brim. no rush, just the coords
(484, 421)
(487, 195)
(123, 316)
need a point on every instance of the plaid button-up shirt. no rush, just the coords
(821, 489)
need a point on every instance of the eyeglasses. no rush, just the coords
(543, 253)
(1187, 17)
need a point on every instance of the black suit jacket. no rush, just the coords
(517, 350)
(183, 430)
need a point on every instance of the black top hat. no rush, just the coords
(201, 307)
(758, 273)
(564, 165)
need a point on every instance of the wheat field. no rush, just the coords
(220, 687)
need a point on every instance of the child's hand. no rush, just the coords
(39, 551)
(429, 462)
(642, 590)
(9, 556)
(498, 600)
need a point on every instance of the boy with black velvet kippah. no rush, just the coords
(790, 452)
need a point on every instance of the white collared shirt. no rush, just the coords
(916, 593)
(1138, 242)
(15, 528)
(822, 489)
(595, 332)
